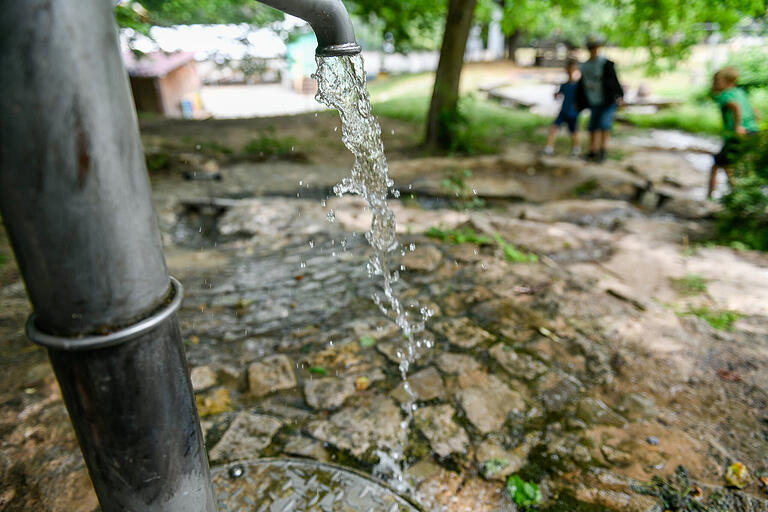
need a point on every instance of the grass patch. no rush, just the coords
(689, 285)
(485, 126)
(512, 254)
(722, 320)
(584, 189)
(454, 182)
(270, 146)
(211, 147)
(467, 235)
(690, 117)
(459, 236)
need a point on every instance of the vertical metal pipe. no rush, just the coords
(75, 200)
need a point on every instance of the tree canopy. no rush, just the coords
(140, 15)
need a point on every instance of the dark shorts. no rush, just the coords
(601, 118)
(732, 149)
(572, 122)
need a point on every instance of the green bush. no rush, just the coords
(744, 217)
(752, 65)
(270, 146)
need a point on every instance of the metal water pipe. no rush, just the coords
(75, 201)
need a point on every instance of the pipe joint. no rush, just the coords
(117, 337)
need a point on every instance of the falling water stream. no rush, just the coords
(341, 85)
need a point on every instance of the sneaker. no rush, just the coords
(575, 152)
(548, 151)
(601, 156)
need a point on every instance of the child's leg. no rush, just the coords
(594, 143)
(605, 137)
(551, 136)
(575, 143)
(712, 180)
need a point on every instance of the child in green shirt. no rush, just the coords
(739, 120)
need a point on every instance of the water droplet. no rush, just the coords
(331, 216)
(311, 244)
(392, 132)
(303, 264)
(301, 182)
(198, 147)
(335, 128)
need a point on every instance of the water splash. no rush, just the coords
(341, 85)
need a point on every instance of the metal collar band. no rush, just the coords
(113, 338)
(338, 50)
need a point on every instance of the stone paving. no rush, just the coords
(581, 371)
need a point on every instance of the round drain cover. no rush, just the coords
(299, 485)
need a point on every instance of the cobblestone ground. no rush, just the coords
(587, 370)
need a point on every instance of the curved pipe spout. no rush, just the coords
(330, 21)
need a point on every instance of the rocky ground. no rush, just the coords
(609, 345)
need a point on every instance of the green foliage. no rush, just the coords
(318, 370)
(676, 493)
(412, 24)
(512, 254)
(526, 495)
(465, 235)
(492, 467)
(744, 217)
(455, 184)
(157, 161)
(141, 14)
(691, 117)
(689, 285)
(367, 341)
(669, 28)
(722, 320)
(753, 67)
(270, 146)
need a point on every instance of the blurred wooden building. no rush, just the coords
(165, 83)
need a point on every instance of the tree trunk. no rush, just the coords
(445, 96)
(512, 41)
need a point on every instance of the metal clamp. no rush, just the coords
(113, 338)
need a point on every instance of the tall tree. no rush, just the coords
(444, 108)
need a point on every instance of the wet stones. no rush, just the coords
(445, 435)
(595, 412)
(495, 462)
(638, 406)
(398, 350)
(425, 258)
(426, 385)
(304, 447)
(271, 374)
(518, 365)
(246, 437)
(487, 401)
(615, 456)
(202, 377)
(375, 424)
(456, 364)
(462, 332)
(328, 393)
(562, 393)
